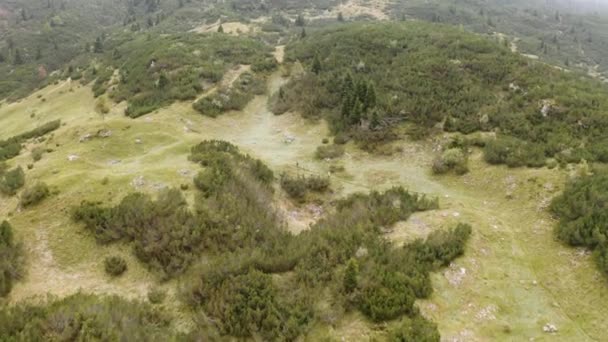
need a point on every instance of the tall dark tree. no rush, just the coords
(303, 33)
(316, 65)
(18, 59)
(300, 21)
(220, 29)
(340, 16)
(351, 273)
(98, 46)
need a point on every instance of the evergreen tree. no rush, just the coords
(163, 81)
(23, 14)
(300, 20)
(38, 53)
(316, 65)
(18, 58)
(98, 46)
(374, 120)
(370, 97)
(347, 86)
(340, 17)
(220, 29)
(303, 33)
(350, 282)
(6, 234)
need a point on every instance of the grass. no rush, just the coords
(511, 248)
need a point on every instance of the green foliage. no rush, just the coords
(350, 283)
(429, 74)
(234, 97)
(329, 151)
(34, 195)
(165, 234)
(11, 147)
(582, 210)
(11, 181)
(416, 329)
(157, 295)
(11, 259)
(115, 266)
(297, 187)
(82, 317)
(453, 159)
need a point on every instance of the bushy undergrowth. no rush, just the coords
(431, 74)
(453, 159)
(156, 70)
(115, 265)
(582, 210)
(297, 187)
(233, 97)
(11, 259)
(82, 317)
(34, 195)
(11, 147)
(11, 181)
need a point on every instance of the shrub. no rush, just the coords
(329, 152)
(34, 195)
(298, 187)
(12, 181)
(156, 295)
(37, 153)
(11, 256)
(416, 328)
(83, 317)
(115, 266)
(453, 159)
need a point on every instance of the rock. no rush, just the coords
(138, 182)
(85, 137)
(138, 141)
(289, 139)
(73, 157)
(456, 214)
(114, 162)
(361, 252)
(550, 328)
(104, 133)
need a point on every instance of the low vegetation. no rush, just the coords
(582, 210)
(84, 317)
(11, 147)
(11, 259)
(297, 187)
(11, 181)
(34, 195)
(115, 266)
(234, 97)
(367, 77)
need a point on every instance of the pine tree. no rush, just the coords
(300, 20)
(18, 58)
(220, 29)
(303, 33)
(163, 81)
(98, 46)
(351, 273)
(355, 115)
(340, 17)
(23, 14)
(374, 120)
(316, 65)
(38, 53)
(347, 86)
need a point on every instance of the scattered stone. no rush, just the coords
(138, 141)
(455, 275)
(289, 139)
(104, 133)
(456, 214)
(550, 328)
(138, 182)
(184, 173)
(85, 137)
(73, 157)
(114, 162)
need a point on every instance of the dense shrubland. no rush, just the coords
(155, 70)
(82, 317)
(257, 279)
(11, 147)
(367, 77)
(11, 259)
(582, 210)
(297, 187)
(233, 97)
(11, 181)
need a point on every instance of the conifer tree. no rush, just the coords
(350, 276)
(316, 65)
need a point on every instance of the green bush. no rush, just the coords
(156, 295)
(83, 317)
(11, 256)
(297, 187)
(416, 329)
(329, 151)
(34, 195)
(115, 265)
(12, 181)
(453, 159)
